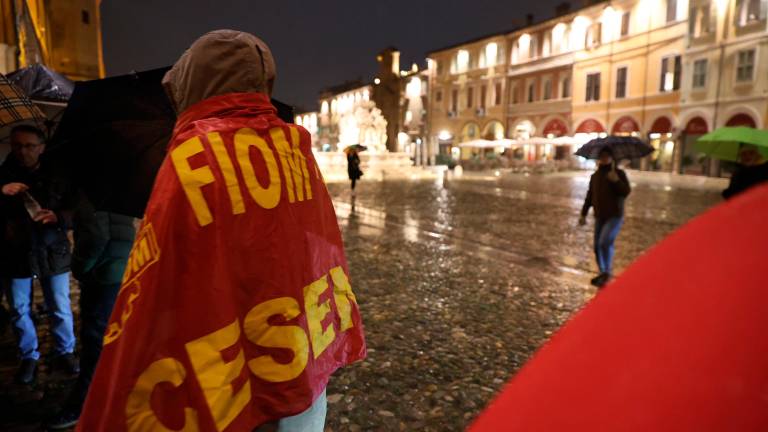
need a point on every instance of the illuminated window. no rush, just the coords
(566, 90)
(559, 39)
(700, 21)
(547, 89)
(462, 61)
(671, 10)
(750, 11)
(593, 87)
(497, 94)
(621, 82)
(546, 47)
(745, 66)
(324, 107)
(700, 73)
(625, 23)
(670, 73)
(593, 35)
(491, 54)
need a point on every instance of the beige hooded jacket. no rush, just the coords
(220, 62)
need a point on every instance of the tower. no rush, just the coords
(386, 93)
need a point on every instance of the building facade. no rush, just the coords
(63, 35)
(663, 70)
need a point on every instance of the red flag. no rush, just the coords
(677, 343)
(236, 306)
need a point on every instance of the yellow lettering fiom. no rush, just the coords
(139, 416)
(228, 172)
(293, 337)
(268, 197)
(192, 180)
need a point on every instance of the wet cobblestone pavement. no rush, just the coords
(458, 283)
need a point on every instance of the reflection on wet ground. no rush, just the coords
(459, 281)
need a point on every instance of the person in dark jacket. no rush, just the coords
(34, 219)
(752, 170)
(353, 168)
(608, 188)
(103, 242)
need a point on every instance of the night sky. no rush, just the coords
(316, 43)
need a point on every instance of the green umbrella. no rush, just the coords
(724, 143)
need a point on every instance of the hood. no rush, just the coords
(220, 62)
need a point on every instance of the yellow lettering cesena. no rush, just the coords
(344, 297)
(139, 416)
(267, 197)
(216, 376)
(192, 180)
(316, 313)
(292, 337)
(228, 172)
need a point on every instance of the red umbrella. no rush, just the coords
(677, 343)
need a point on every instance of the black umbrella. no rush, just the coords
(620, 146)
(40, 83)
(114, 135)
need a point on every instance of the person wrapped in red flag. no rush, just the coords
(236, 305)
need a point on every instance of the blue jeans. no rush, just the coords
(56, 293)
(606, 231)
(311, 420)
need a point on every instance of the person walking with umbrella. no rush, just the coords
(353, 164)
(752, 170)
(608, 188)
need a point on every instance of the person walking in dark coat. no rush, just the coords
(102, 244)
(752, 170)
(34, 219)
(353, 168)
(608, 188)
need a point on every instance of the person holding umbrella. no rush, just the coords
(353, 164)
(608, 188)
(746, 146)
(752, 170)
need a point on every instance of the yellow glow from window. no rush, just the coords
(462, 60)
(524, 46)
(579, 32)
(491, 53)
(324, 107)
(559, 41)
(444, 135)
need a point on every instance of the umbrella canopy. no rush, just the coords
(113, 136)
(621, 146)
(15, 108)
(356, 147)
(724, 143)
(676, 343)
(40, 83)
